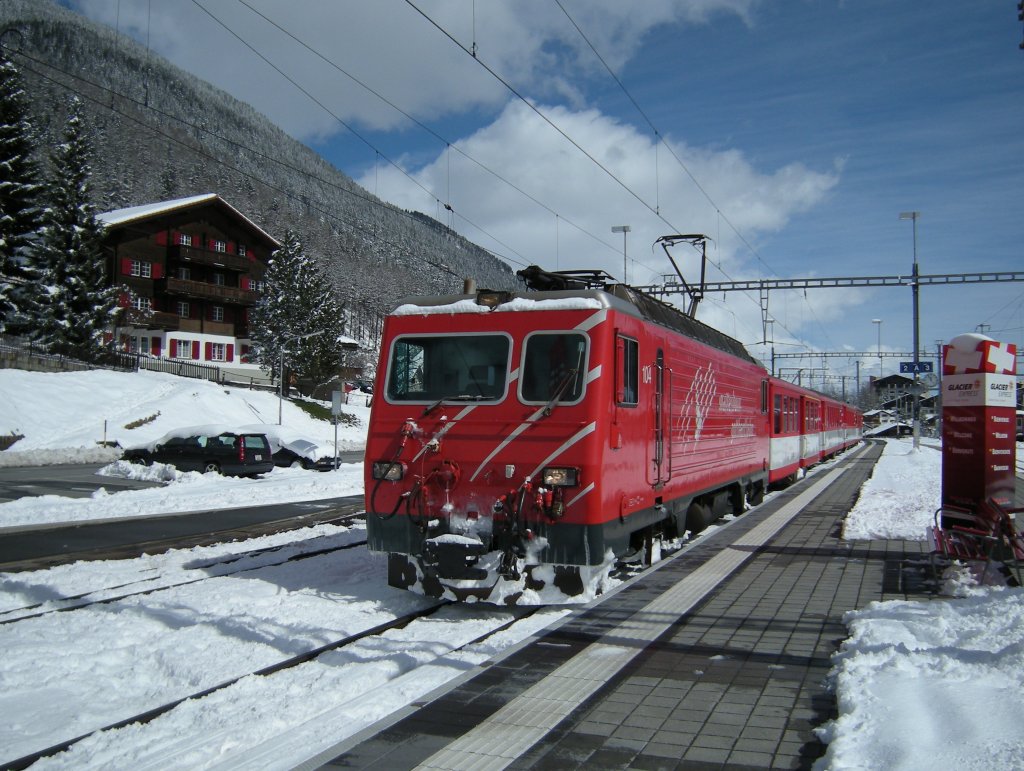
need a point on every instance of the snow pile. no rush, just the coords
(926, 685)
(899, 500)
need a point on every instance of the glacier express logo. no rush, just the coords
(697, 404)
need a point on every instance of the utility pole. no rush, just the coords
(915, 286)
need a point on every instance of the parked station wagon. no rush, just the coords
(200, 449)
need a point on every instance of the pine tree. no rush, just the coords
(74, 306)
(20, 190)
(297, 300)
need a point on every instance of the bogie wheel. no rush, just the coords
(698, 517)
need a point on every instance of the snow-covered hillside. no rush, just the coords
(66, 416)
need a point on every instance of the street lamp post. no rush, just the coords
(879, 323)
(913, 215)
(284, 350)
(622, 229)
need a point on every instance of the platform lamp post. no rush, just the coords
(915, 287)
(284, 350)
(879, 323)
(622, 229)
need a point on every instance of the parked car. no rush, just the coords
(208, 448)
(304, 453)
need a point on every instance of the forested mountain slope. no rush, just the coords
(161, 133)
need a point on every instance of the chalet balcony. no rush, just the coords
(150, 319)
(203, 291)
(199, 256)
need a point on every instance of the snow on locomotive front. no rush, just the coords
(483, 458)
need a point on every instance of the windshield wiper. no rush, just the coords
(453, 398)
(568, 380)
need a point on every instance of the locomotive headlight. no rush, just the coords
(560, 476)
(388, 470)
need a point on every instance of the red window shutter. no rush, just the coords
(158, 270)
(244, 354)
(209, 351)
(175, 237)
(161, 238)
(122, 300)
(174, 348)
(231, 247)
(245, 282)
(155, 350)
(230, 353)
(195, 349)
(126, 266)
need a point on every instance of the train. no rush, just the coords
(520, 442)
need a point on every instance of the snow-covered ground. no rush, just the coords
(931, 684)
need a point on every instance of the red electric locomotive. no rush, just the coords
(523, 441)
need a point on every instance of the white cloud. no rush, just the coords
(393, 49)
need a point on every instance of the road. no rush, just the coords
(36, 547)
(71, 481)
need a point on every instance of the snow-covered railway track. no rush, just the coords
(256, 559)
(293, 661)
(176, 759)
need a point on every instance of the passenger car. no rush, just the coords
(208, 448)
(304, 453)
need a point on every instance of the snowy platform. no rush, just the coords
(719, 657)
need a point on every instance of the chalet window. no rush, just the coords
(137, 344)
(142, 303)
(183, 309)
(185, 239)
(181, 349)
(217, 313)
(218, 279)
(216, 351)
(141, 269)
(241, 250)
(185, 274)
(220, 246)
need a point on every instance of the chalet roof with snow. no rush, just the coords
(135, 214)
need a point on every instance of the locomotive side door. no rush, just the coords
(657, 466)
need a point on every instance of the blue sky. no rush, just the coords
(792, 132)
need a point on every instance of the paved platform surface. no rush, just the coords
(718, 659)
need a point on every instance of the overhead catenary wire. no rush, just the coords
(540, 113)
(447, 142)
(660, 140)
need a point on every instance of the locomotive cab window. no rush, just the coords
(451, 367)
(554, 367)
(627, 371)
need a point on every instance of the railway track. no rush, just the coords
(518, 614)
(250, 561)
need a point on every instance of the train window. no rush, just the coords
(627, 372)
(778, 414)
(430, 368)
(554, 367)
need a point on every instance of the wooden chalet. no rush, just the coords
(194, 268)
